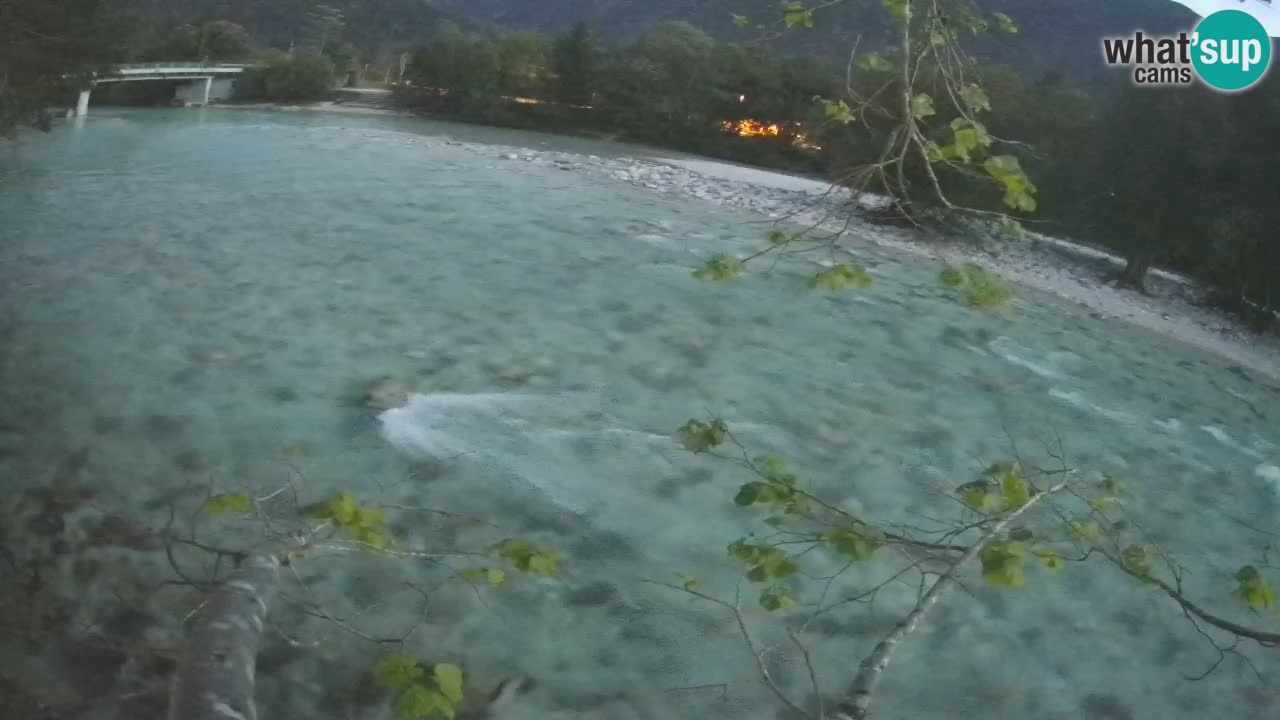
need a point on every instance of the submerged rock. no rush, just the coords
(387, 393)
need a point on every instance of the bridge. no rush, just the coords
(199, 91)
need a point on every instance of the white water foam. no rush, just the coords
(1221, 436)
(1014, 353)
(658, 241)
(537, 439)
(1270, 475)
(1080, 401)
(493, 429)
(1172, 425)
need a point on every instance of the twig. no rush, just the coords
(872, 667)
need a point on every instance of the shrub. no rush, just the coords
(292, 78)
(982, 289)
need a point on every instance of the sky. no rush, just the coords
(1268, 13)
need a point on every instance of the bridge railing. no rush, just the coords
(185, 65)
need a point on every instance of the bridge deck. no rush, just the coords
(172, 71)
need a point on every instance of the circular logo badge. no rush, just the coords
(1231, 50)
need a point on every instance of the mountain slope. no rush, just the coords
(376, 26)
(1056, 34)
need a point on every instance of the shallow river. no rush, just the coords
(194, 303)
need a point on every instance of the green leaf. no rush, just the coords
(371, 537)
(838, 110)
(968, 137)
(766, 563)
(897, 8)
(982, 497)
(449, 680)
(856, 544)
(1051, 560)
(688, 582)
(778, 237)
(417, 703)
(367, 517)
(341, 509)
(222, 504)
(1002, 563)
(698, 437)
(750, 494)
(720, 268)
(1253, 589)
(494, 576)
(1005, 23)
(1137, 559)
(841, 277)
(775, 468)
(922, 106)
(1019, 189)
(777, 599)
(795, 14)
(781, 567)
(874, 62)
(741, 21)
(975, 98)
(1020, 200)
(1087, 530)
(397, 672)
(1112, 488)
(526, 557)
(1014, 490)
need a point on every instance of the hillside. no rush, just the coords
(379, 27)
(1056, 34)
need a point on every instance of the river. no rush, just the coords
(195, 302)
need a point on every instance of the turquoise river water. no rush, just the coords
(194, 302)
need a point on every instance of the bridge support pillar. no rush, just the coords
(82, 105)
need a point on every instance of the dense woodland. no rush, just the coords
(1177, 177)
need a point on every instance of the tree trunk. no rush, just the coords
(1134, 275)
(215, 675)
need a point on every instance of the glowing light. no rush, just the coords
(752, 128)
(755, 128)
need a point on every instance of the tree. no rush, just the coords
(324, 25)
(221, 40)
(682, 54)
(48, 45)
(346, 60)
(1155, 169)
(523, 60)
(575, 61)
(463, 64)
(217, 41)
(281, 77)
